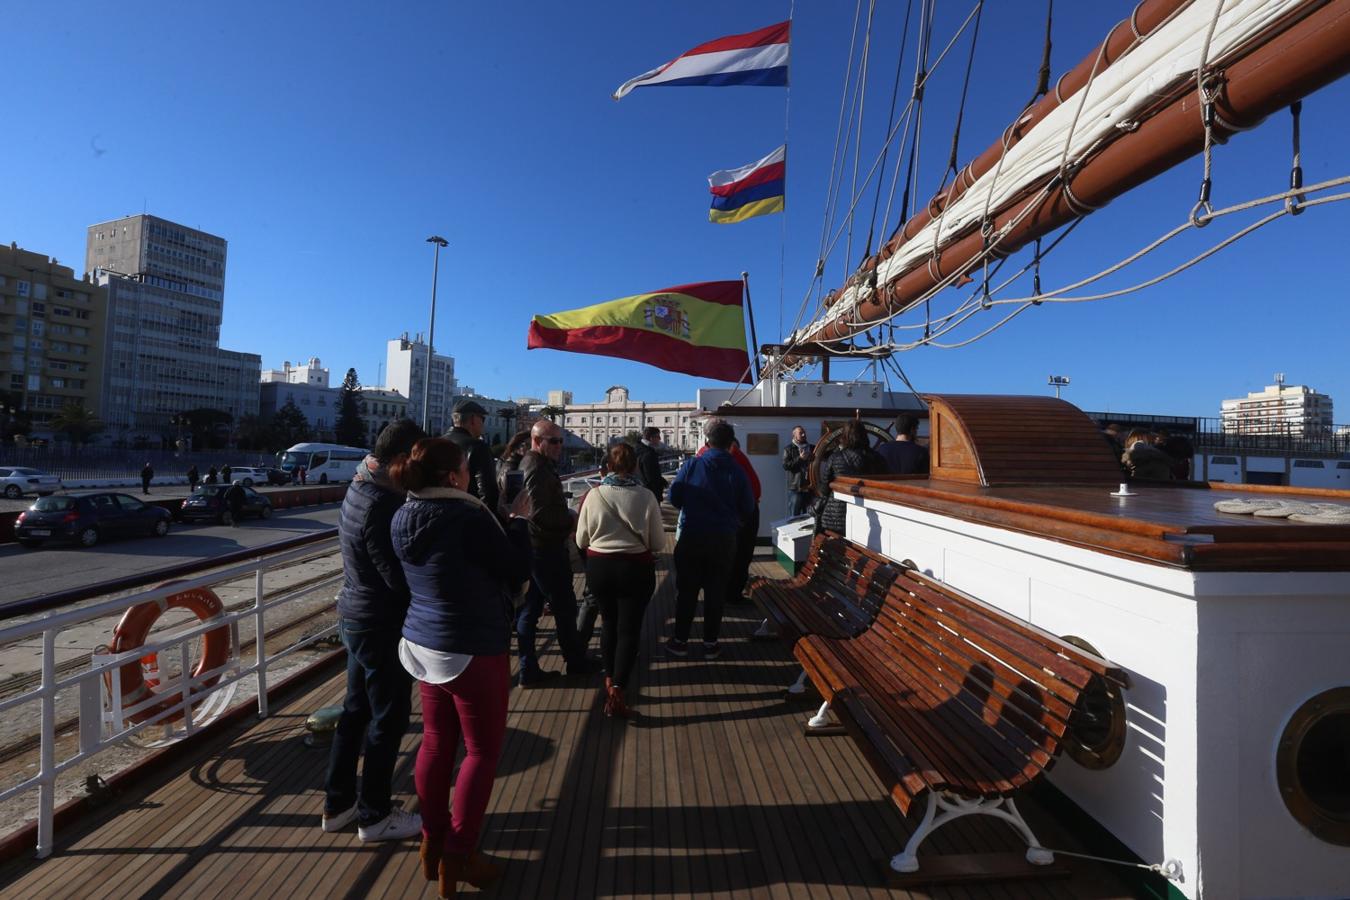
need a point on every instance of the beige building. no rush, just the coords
(1293, 410)
(379, 406)
(52, 329)
(560, 399)
(613, 418)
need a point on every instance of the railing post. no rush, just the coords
(47, 753)
(185, 678)
(260, 641)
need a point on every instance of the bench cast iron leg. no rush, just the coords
(765, 630)
(798, 686)
(821, 718)
(943, 808)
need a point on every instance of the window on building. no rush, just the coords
(35, 382)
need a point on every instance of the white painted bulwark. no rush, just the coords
(1218, 663)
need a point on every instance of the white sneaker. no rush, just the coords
(396, 826)
(339, 821)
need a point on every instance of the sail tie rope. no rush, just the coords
(1295, 203)
(1202, 212)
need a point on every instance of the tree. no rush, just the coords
(14, 419)
(551, 412)
(77, 423)
(210, 428)
(254, 434)
(289, 426)
(351, 428)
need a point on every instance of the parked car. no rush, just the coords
(278, 476)
(248, 476)
(208, 502)
(88, 518)
(15, 481)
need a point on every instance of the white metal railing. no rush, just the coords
(104, 721)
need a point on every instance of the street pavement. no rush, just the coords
(157, 492)
(26, 573)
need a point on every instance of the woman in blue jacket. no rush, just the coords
(464, 570)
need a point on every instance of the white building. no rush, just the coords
(1280, 409)
(560, 399)
(405, 363)
(307, 387)
(380, 406)
(618, 414)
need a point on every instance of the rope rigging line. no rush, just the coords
(1202, 212)
(782, 239)
(961, 107)
(857, 140)
(890, 123)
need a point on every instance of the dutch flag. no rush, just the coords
(758, 58)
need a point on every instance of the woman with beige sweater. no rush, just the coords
(620, 531)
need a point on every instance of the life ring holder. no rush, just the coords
(140, 677)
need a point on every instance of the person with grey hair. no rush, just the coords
(714, 499)
(469, 417)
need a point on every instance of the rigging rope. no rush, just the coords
(857, 141)
(961, 107)
(890, 123)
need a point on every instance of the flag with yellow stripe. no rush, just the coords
(697, 329)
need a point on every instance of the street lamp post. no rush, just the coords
(431, 330)
(1059, 382)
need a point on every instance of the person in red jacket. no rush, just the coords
(745, 538)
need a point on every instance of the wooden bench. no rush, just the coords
(837, 593)
(951, 698)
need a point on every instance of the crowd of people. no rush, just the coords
(448, 554)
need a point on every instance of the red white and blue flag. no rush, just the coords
(753, 190)
(758, 58)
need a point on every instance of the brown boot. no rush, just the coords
(430, 853)
(474, 868)
(615, 705)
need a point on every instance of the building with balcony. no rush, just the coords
(1281, 409)
(52, 331)
(618, 414)
(307, 387)
(405, 367)
(379, 407)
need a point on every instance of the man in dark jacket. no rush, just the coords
(147, 473)
(371, 607)
(234, 502)
(467, 433)
(649, 463)
(797, 463)
(551, 582)
(904, 455)
(715, 501)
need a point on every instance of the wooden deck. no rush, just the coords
(713, 791)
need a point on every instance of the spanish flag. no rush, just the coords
(753, 190)
(697, 329)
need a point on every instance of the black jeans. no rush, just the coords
(374, 718)
(702, 563)
(745, 552)
(551, 583)
(623, 587)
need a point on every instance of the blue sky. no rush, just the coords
(325, 142)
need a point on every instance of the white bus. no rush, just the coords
(323, 462)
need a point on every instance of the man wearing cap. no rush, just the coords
(469, 418)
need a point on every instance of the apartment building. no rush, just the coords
(52, 330)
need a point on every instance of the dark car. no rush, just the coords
(88, 518)
(278, 476)
(208, 502)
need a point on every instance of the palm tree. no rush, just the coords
(77, 423)
(551, 412)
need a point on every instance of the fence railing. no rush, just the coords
(185, 702)
(99, 462)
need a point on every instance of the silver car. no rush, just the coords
(15, 481)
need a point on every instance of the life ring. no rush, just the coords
(134, 628)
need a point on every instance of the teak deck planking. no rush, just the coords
(713, 791)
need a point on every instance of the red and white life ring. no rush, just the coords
(134, 628)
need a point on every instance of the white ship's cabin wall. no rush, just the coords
(764, 420)
(1218, 662)
(1290, 471)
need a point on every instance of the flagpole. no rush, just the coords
(754, 340)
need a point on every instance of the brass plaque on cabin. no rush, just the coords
(761, 444)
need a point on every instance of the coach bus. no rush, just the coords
(322, 462)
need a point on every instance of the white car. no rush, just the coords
(15, 481)
(248, 476)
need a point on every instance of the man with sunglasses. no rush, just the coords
(550, 524)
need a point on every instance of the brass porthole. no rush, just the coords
(1312, 765)
(1096, 734)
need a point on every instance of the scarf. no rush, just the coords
(370, 470)
(613, 480)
